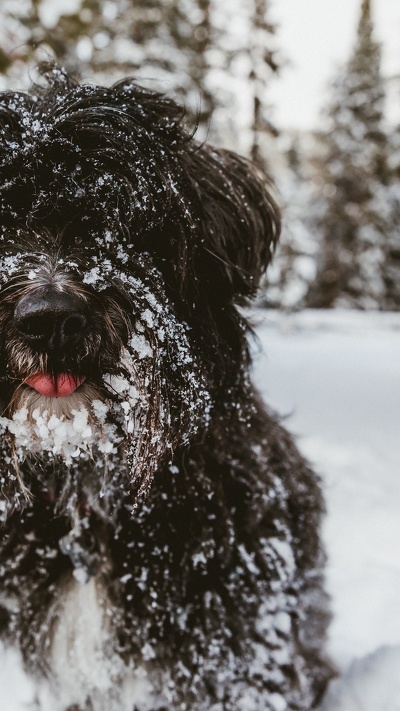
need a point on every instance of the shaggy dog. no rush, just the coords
(159, 546)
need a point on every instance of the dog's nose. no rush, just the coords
(51, 319)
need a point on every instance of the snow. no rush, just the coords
(371, 684)
(335, 376)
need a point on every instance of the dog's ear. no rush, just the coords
(239, 221)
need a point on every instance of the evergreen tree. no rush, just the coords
(391, 274)
(293, 269)
(353, 225)
(262, 62)
(243, 58)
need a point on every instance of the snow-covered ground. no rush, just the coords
(336, 376)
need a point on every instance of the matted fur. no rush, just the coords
(161, 501)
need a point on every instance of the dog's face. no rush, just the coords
(124, 251)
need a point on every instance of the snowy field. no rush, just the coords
(336, 377)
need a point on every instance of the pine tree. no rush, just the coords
(352, 228)
(293, 269)
(243, 58)
(263, 62)
(391, 274)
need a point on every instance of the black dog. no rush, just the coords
(159, 547)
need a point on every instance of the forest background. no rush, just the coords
(339, 184)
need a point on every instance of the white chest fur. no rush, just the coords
(83, 665)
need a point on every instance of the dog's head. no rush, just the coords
(125, 249)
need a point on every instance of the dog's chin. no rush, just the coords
(70, 428)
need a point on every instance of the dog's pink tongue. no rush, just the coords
(59, 386)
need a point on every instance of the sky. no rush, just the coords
(316, 37)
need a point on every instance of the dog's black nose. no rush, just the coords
(51, 319)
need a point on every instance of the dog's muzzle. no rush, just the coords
(53, 322)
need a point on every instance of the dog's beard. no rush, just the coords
(68, 427)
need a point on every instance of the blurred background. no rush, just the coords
(310, 90)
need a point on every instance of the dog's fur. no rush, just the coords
(160, 541)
